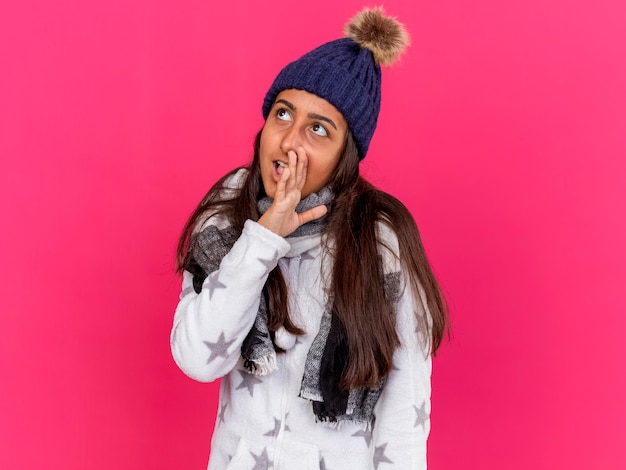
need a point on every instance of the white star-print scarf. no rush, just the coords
(328, 353)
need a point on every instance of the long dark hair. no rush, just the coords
(356, 286)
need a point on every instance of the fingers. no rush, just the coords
(297, 164)
(281, 217)
(292, 162)
(301, 168)
(281, 186)
(294, 176)
(312, 214)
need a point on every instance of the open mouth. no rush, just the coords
(279, 167)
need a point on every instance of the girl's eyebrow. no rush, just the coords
(322, 118)
(286, 103)
(319, 117)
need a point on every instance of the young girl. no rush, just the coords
(305, 288)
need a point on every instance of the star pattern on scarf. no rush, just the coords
(421, 416)
(214, 283)
(219, 348)
(261, 461)
(220, 415)
(379, 455)
(274, 432)
(365, 434)
(248, 381)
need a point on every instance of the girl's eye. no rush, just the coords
(283, 114)
(319, 130)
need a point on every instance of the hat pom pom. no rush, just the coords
(385, 36)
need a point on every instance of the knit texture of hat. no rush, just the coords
(346, 72)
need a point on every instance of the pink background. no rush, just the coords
(503, 130)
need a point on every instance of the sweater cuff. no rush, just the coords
(257, 231)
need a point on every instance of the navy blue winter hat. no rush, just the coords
(346, 72)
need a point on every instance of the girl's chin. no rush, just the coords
(270, 189)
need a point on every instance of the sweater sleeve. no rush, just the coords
(402, 413)
(210, 326)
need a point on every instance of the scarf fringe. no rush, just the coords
(262, 366)
(311, 395)
(334, 423)
(337, 422)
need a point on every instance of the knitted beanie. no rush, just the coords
(346, 72)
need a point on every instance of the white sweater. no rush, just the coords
(262, 422)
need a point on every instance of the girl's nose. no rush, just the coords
(292, 140)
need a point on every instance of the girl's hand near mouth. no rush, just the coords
(281, 217)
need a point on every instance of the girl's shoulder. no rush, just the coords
(388, 247)
(232, 184)
(227, 190)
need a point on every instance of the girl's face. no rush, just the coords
(301, 122)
